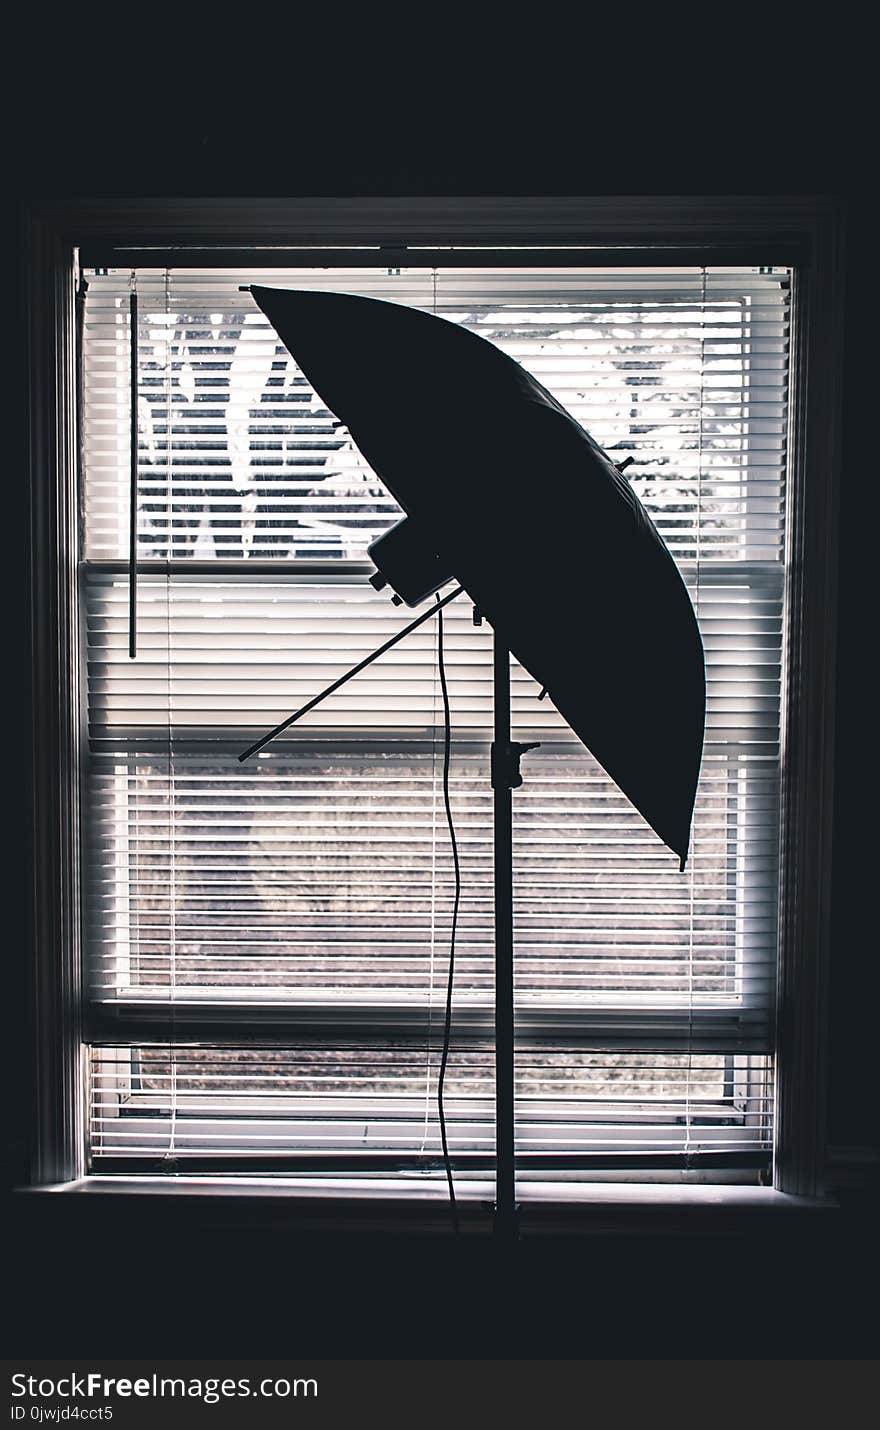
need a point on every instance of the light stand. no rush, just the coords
(505, 778)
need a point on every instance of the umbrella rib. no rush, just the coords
(264, 740)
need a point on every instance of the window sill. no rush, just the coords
(546, 1209)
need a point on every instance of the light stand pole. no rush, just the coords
(506, 778)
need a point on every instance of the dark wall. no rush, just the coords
(629, 136)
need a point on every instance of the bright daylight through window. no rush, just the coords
(266, 944)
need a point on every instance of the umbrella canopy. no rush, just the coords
(534, 520)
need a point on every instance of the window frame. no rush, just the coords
(806, 234)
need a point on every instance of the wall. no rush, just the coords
(261, 1289)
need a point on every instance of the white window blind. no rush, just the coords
(304, 899)
(684, 370)
(372, 1111)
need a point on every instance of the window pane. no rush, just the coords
(319, 876)
(322, 869)
(683, 371)
(374, 1110)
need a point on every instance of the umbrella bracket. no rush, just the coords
(505, 758)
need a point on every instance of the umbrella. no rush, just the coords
(517, 501)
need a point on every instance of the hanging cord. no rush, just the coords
(447, 1027)
(692, 862)
(427, 1117)
(433, 868)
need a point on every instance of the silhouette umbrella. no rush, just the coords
(516, 500)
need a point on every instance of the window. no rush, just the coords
(250, 999)
(306, 897)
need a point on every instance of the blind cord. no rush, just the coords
(692, 862)
(447, 1026)
(427, 1117)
